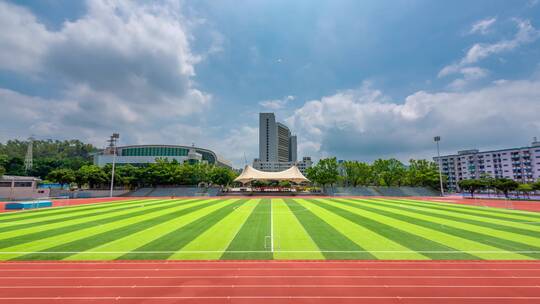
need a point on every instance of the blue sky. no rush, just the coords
(354, 79)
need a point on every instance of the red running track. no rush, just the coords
(494, 203)
(271, 282)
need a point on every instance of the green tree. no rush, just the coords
(61, 176)
(284, 184)
(221, 176)
(127, 175)
(3, 163)
(389, 172)
(43, 166)
(357, 173)
(488, 181)
(536, 186)
(423, 173)
(505, 185)
(325, 172)
(525, 189)
(92, 175)
(48, 155)
(471, 185)
(15, 166)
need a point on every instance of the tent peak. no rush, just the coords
(292, 174)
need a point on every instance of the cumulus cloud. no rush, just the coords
(469, 75)
(237, 142)
(352, 124)
(123, 66)
(526, 33)
(23, 40)
(482, 26)
(276, 104)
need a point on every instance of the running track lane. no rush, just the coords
(533, 206)
(270, 282)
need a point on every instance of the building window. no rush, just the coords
(5, 184)
(23, 184)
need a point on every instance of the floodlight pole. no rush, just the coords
(437, 139)
(112, 141)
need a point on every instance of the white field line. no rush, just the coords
(271, 228)
(263, 269)
(57, 298)
(273, 277)
(268, 262)
(283, 251)
(262, 286)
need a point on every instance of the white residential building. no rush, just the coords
(520, 164)
(302, 165)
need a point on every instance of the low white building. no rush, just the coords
(302, 165)
(520, 164)
(21, 187)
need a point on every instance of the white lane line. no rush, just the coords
(266, 262)
(269, 297)
(264, 286)
(271, 227)
(267, 269)
(283, 251)
(272, 276)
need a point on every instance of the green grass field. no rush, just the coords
(232, 228)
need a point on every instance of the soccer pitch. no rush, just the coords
(270, 228)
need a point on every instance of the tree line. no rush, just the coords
(69, 162)
(502, 185)
(48, 155)
(161, 173)
(382, 172)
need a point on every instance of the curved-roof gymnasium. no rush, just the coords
(145, 154)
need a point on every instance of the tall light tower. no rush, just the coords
(437, 139)
(28, 160)
(112, 146)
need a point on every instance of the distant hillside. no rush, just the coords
(48, 155)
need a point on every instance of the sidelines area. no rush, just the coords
(269, 282)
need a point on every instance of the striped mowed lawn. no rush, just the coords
(270, 228)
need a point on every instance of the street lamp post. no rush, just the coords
(112, 146)
(437, 139)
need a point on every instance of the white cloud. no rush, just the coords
(124, 66)
(482, 26)
(526, 34)
(23, 40)
(349, 125)
(237, 142)
(276, 104)
(469, 75)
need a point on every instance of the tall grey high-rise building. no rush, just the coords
(292, 149)
(276, 144)
(283, 142)
(267, 137)
(275, 141)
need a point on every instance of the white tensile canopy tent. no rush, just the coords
(251, 174)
